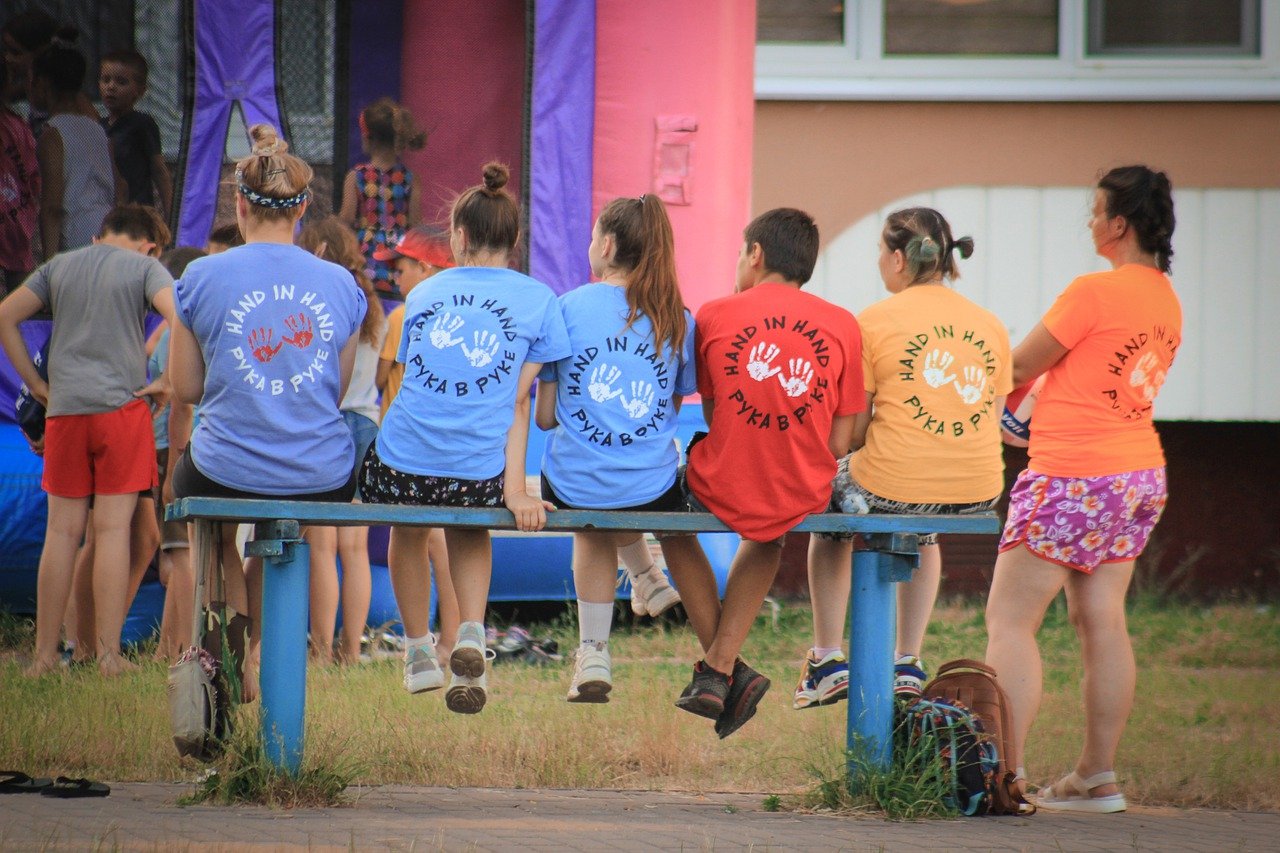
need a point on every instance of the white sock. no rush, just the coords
(819, 653)
(595, 621)
(411, 642)
(636, 557)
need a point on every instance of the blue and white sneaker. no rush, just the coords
(822, 682)
(468, 688)
(909, 677)
(421, 668)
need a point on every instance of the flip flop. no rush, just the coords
(17, 782)
(65, 787)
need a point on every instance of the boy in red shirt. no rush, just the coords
(780, 374)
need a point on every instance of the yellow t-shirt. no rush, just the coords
(391, 346)
(935, 364)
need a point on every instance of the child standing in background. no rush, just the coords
(377, 196)
(331, 240)
(417, 257)
(135, 137)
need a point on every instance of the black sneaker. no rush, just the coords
(705, 695)
(746, 689)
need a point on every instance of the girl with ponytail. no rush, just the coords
(612, 406)
(1094, 487)
(378, 196)
(937, 369)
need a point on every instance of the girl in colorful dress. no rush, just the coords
(378, 197)
(333, 241)
(1094, 487)
(475, 337)
(612, 405)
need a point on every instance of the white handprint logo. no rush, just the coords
(799, 375)
(1142, 374)
(486, 346)
(935, 368)
(641, 400)
(601, 385)
(759, 362)
(442, 331)
(971, 390)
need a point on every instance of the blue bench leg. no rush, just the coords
(872, 620)
(285, 604)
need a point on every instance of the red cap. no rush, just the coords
(420, 244)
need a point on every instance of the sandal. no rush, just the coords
(1072, 795)
(17, 782)
(64, 787)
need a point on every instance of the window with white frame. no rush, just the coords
(1018, 49)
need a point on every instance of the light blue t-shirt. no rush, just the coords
(467, 332)
(615, 443)
(271, 321)
(157, 364)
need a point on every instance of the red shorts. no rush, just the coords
(109, 453)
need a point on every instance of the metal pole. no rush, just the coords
(285, 605)
(872, 619)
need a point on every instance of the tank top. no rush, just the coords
(88, 182)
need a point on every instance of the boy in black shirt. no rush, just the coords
(135, 137)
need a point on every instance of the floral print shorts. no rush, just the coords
(382, 484)
(1080, 522)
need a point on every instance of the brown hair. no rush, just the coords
(331, 239)
(271, 174)
(137, 222)
(923, 236)
(387, 123)
(1144, 198)
(487, 212)
(789, 240)
(646, 252)
(176, 260)
(130, 59)
(226, 233)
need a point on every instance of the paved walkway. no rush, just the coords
(143, 816)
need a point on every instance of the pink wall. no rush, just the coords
(675, 57)
(462, 77)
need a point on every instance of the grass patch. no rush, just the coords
(1202, 732)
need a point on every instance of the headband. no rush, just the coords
(261, 200)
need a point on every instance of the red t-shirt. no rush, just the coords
(779, 364)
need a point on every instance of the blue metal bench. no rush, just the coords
(890, 555)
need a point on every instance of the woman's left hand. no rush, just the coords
(530, 512)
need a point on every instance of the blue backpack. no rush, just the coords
(948, 733)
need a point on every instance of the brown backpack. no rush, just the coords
(974, 684)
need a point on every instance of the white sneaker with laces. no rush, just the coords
(421, 669)
(592, 674)
(466, 695)
(470, 651)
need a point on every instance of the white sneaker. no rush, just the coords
(421, 669)
(592, 675)
(470, 651)
(466, 695)
(651, 594)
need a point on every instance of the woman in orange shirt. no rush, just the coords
(1094, 487)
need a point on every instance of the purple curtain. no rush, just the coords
(234, 63)
(560, 147)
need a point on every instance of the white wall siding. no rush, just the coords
(1032, 241)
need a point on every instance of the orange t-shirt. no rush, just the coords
(936, 365)
(1122, 329)
(391, 346)
(779, 364)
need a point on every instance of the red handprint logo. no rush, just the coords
(300, 325)
(260, 344)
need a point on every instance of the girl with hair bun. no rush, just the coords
(475, 337)
(1094, 487)
(937, 369)
(80, 183)
(632, 360)
(378, 197)
(265, 343)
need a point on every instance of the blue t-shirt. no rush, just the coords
(615, 443)
(271, 321)
(158, 363)
(467, 332)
